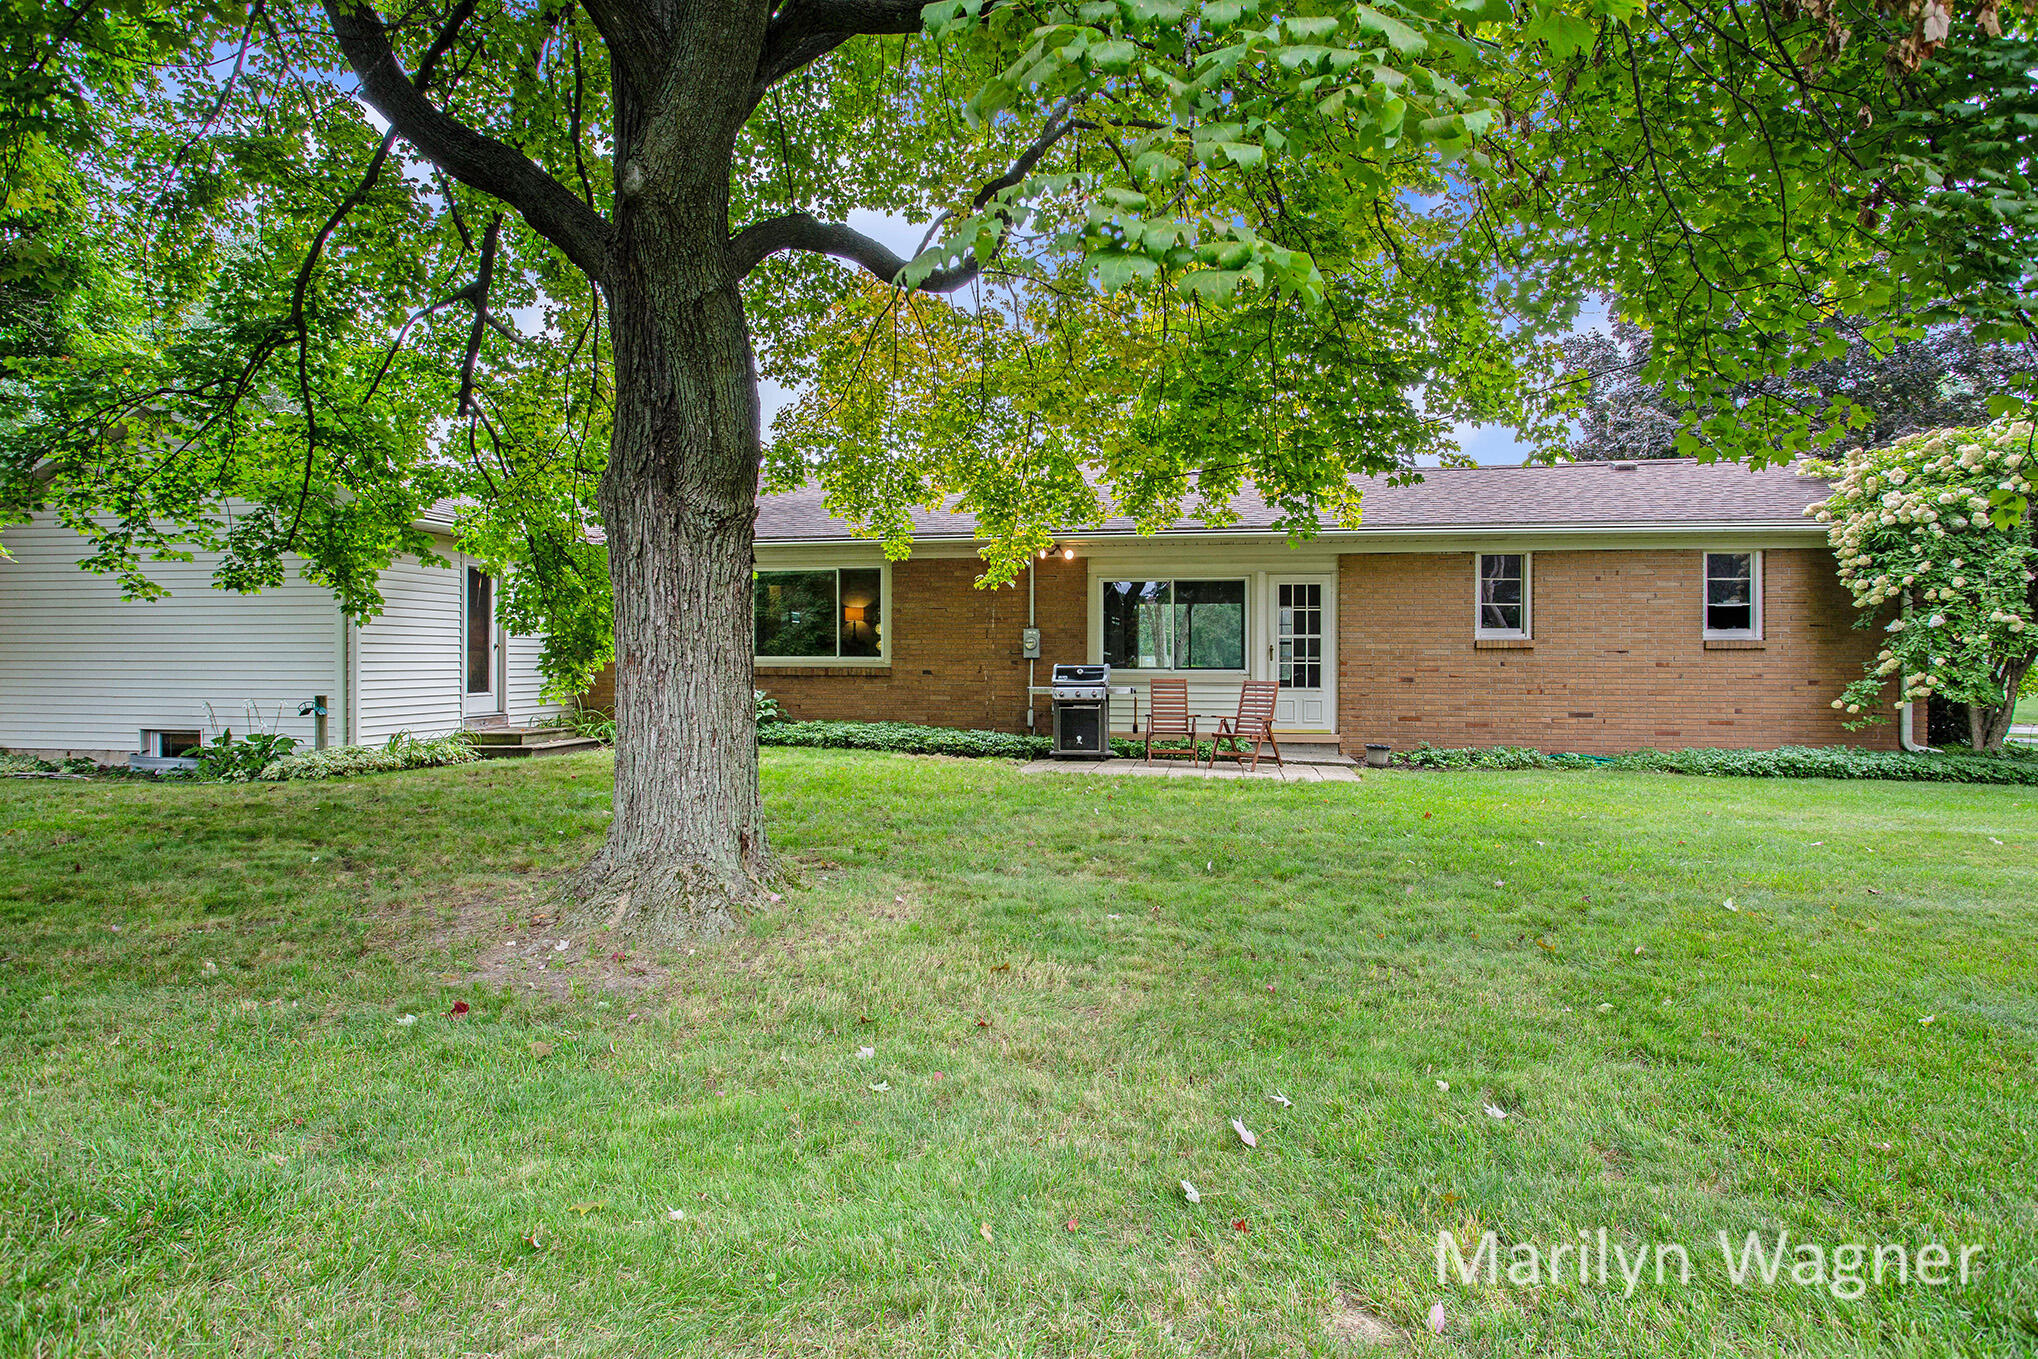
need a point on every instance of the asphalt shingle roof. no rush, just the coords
(1665, 492)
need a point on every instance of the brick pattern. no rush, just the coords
(955, 658)
(1617, 660)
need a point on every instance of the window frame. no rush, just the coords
(1709, 633)
(1527, 631)
(884, 623)
(1245, 582)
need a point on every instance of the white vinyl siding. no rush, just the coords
(409, 657)
(525, 704)
(82, 669)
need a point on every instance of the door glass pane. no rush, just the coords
(795, 613)
(862, 609)
(1299, 636)
(480, 631)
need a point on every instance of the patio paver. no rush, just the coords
(1293, 773)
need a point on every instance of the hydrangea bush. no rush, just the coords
(1939, 526)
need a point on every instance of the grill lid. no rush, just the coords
(1082, 674)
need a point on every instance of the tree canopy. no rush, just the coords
(1189, 247)
(1868, 397)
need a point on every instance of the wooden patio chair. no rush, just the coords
(1168, 717)
(1252, 727)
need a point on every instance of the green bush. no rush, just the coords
(590, 722)
(903, 737)
(908, 739)
(2015, 766)
(402, 751)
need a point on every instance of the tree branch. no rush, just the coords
(637, 43)
(500, 171)
(806, 30)
(802, 231)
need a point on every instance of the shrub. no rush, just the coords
(402, 751)
(226, 759)
(903, 737)
(767, 707)
(2012, 766)
(591, 722)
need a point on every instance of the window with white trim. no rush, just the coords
(1174, 624)
(1733, 594)
(1501, 594)
(825, 614)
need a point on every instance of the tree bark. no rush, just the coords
(686, 849)
(1988, 725)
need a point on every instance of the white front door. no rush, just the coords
(481, 647)
(1302, 652)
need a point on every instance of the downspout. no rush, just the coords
(1905, 731)
(1030, 662)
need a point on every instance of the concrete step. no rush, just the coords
(518, 736)
(565, 746)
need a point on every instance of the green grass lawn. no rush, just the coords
(2027, 711)
(218, 1138)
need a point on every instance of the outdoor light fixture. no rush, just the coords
(1068, 554)
(1065, 552)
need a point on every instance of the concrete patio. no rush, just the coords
(1310, 768)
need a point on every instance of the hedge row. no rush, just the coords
(403, 751)
(908, 739)
(2015, 766)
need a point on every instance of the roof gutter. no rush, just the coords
(1790, 526)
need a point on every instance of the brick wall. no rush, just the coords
(1617, 660)
(954, 651)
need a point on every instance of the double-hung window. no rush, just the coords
(819, 615)
(1174, 624)
(1501, 601)
(1733, 595)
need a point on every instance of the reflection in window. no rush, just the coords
(1730, 584)
(1175, 624)
(1503, 594)
(819, 613)
(480, 632)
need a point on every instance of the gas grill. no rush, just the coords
(1081, 696)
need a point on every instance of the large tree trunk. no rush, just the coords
(686, 849)
(1988, 725)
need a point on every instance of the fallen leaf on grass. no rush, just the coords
(585, 1208)
(675, 1214)
(562, 946)
(1928, 1019)
(984, 1230)
(541, 1050)
(1189, 1192)
(460, 1007)
(534, 1242)
(408, 1020)
(1070, 1225)
(983, 1023)
(1495, 1111)
(1245, 1134)
(1436, 1318)
(1729, 904)
(1238, 1225)
(1281, 1100)
(1875, 891)
(882, 1087)
(1444, 1086)
(865, 1054)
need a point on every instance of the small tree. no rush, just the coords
(1941, 525)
